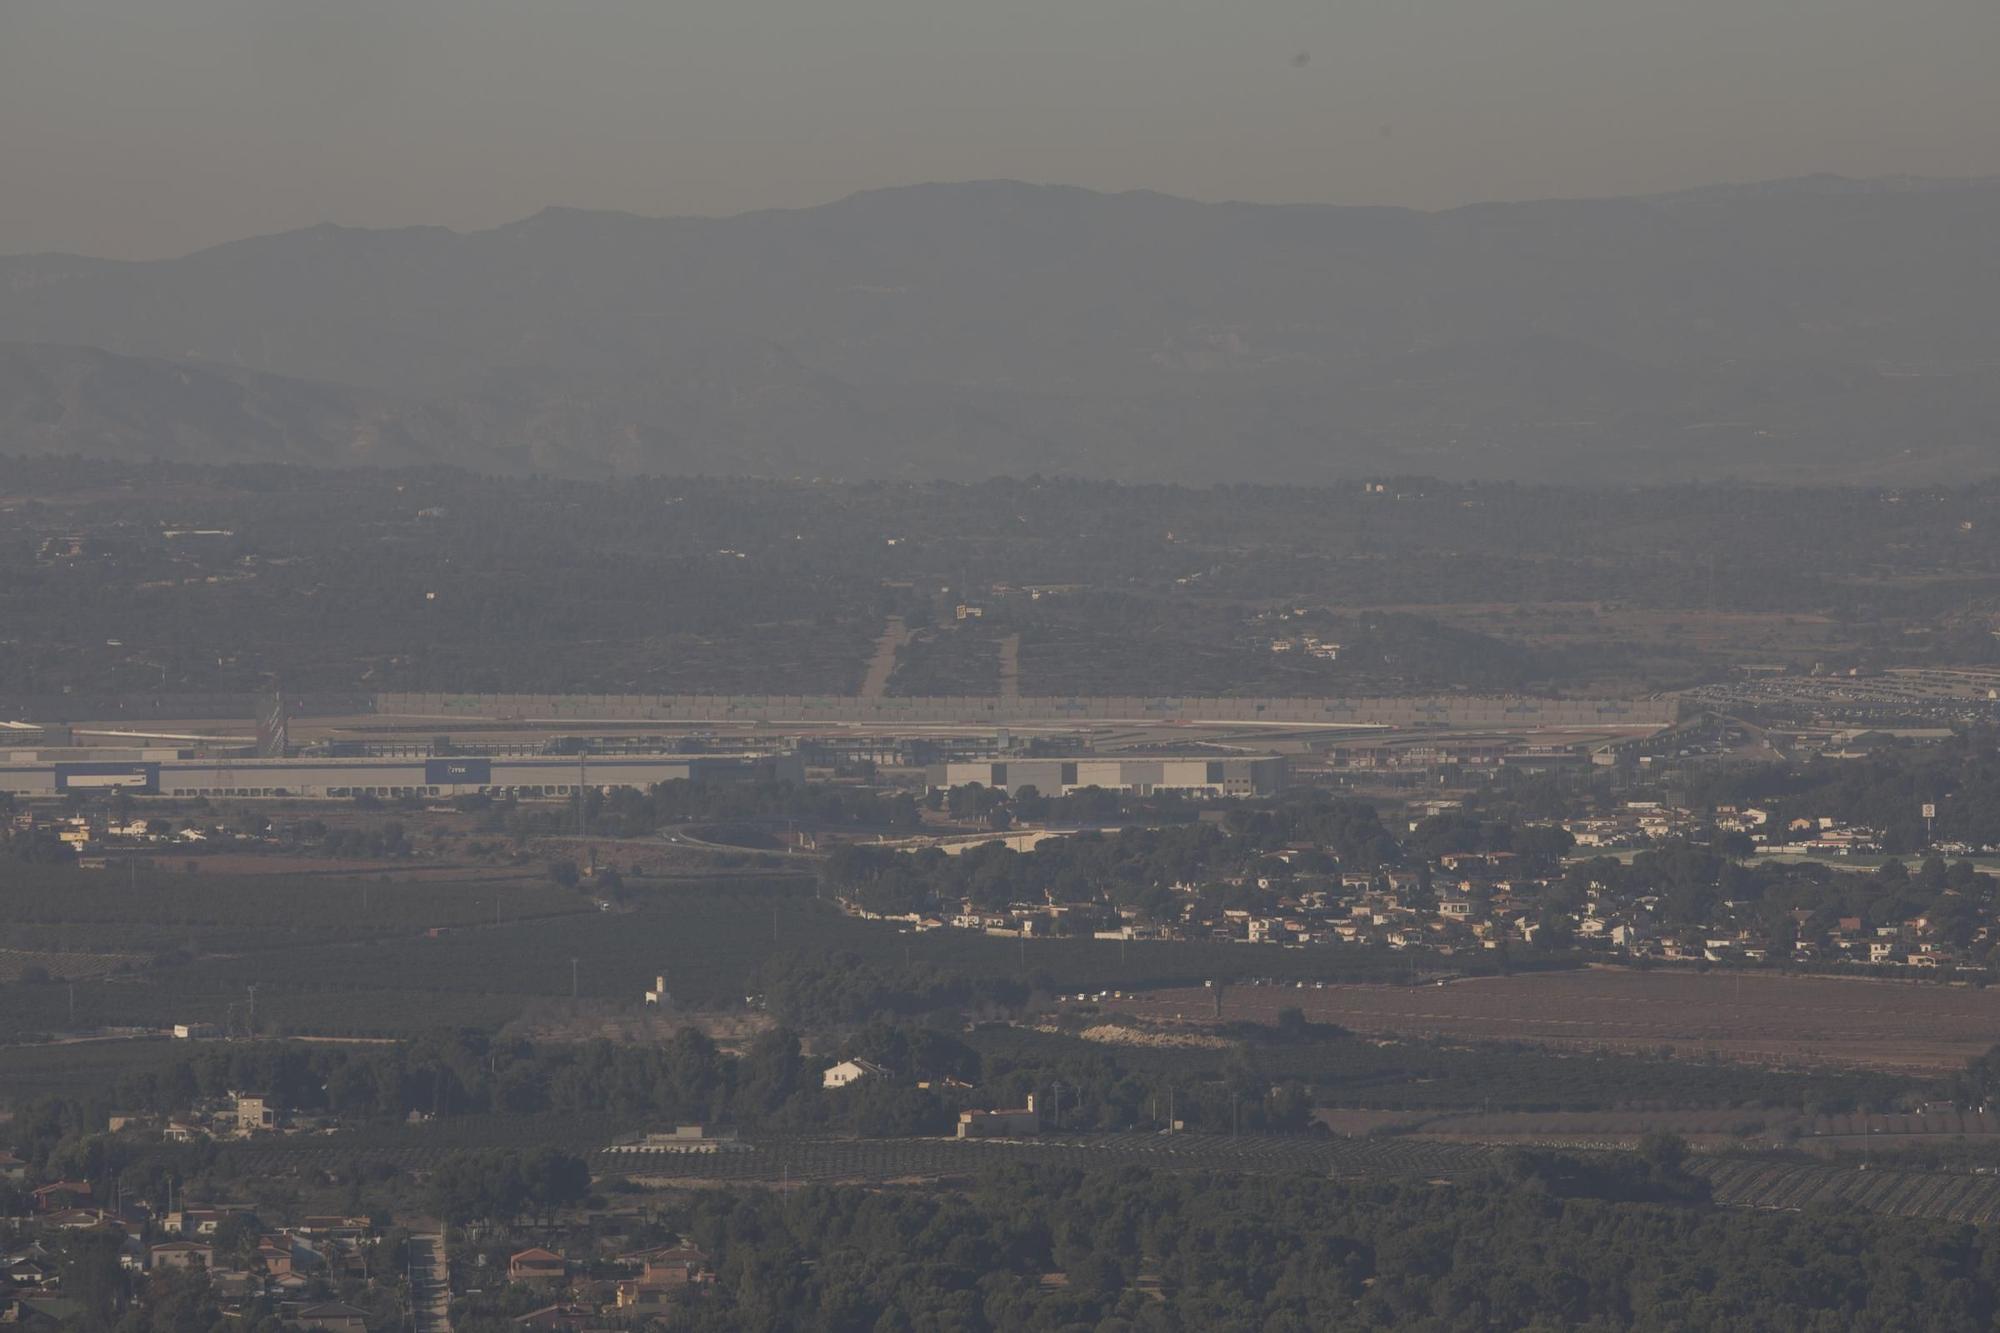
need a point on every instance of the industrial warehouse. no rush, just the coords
(172, 773)
(1236, 775)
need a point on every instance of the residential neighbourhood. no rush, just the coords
(1568, 888)
(301, 1275)
(335, 1273)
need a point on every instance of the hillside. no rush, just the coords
(1842, 329)
(80, 399)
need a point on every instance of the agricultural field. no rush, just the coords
(280, 865)
(1708, 1128)
(79, 1068)
(156, 910)
(422, 1146)
(829, 1160)
(562, 1022)
(17, 964)
(774, 587)
(371, 957)
(1738, 1178)
(1740, 1181)
(1415, 1081)
(1904, 1027)
(1769, 1181)
(1637, 644)
(951, 659)
(1754, 1182)
(157, 1001)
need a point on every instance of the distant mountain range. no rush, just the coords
(1817, 329)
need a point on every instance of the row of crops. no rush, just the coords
(890, 1159)
(829, 1159)
(1763, 1183)
(1741, 1181)
(421, 1147)
(1736, 1181)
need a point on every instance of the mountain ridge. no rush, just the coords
(1812, 183)
(958, 329)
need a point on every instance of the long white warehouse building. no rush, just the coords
(1203, 775)
(164, 773)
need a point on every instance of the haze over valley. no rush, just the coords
(1817, 329)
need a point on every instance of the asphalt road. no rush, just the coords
(430, 1284)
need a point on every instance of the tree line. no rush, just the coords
(1545, 1241)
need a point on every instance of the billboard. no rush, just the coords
(458, 772)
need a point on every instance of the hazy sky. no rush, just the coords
(151, 127)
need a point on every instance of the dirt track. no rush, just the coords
(882, 663)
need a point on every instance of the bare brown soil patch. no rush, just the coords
(575, 1021)
(1117, 1034)
(1901, 1027)
(1720, 1127)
